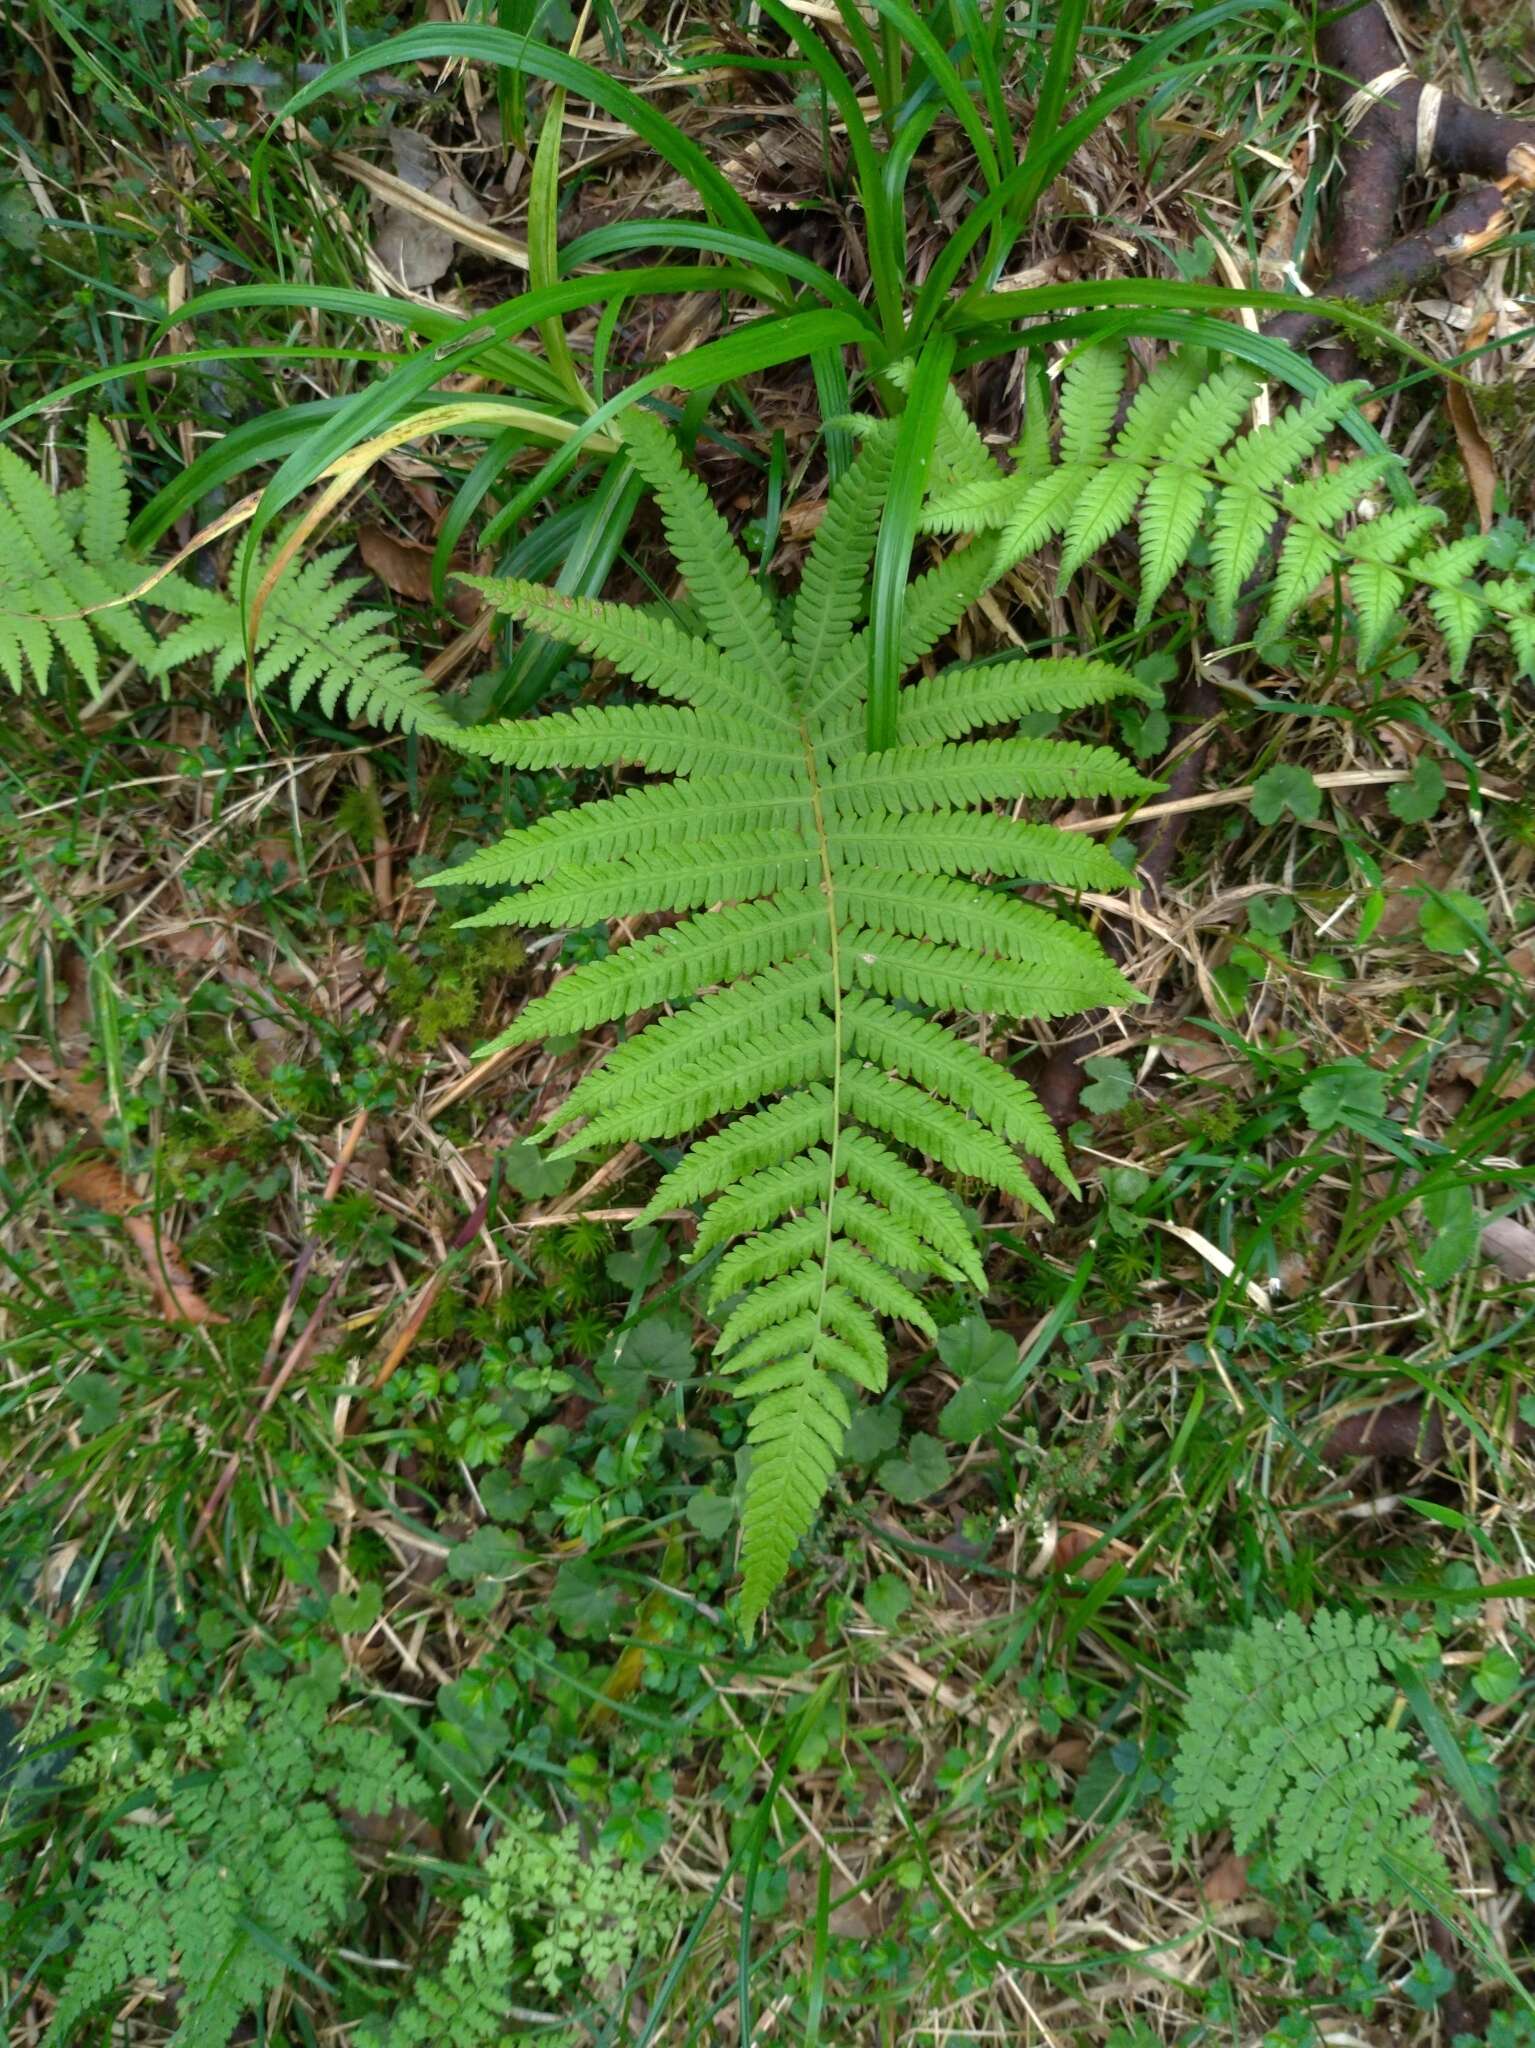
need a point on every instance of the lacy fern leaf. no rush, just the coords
(69, 588)
(311, 642)
(65, 571)
(835, 907)
(1283, 1741)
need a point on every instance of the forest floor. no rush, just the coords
(307, 1348)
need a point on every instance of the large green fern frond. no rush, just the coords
(839, 909)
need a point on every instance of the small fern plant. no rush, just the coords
(554, 1923)
(1289, 1739)
(229, 1857)
(71, 589)
(1178, 461)
(829, 920)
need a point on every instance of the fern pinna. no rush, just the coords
(830, 915)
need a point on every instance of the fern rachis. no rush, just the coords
(833, 901)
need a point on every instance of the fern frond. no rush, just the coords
(1104, 503)
(978, 506)
(1175, 497)
(826, 1086)
(935, 602)
(1307, 555)
(796, 1431)
(947, 1066)
(310, 642)
(1394, 534)
(1265, 457)
(949, 842)
(745, 1009)
(949, 978)
(890, 1241)
(1459, 608)
(963, 913)
(926, 1125)
(874, 1285)
(1377, 591)
(710, 1083)
(738, 864)
(960, 455)
(1324, 500)
(60, 557)
(1156, 408)
(1514, 603)
(831, 591)
(638, 821)
(764, 1196)
(1244, 519)
(768, 1254)
(912, 1201)
(753, 1144)
(1282, 1740)
(917, 778)
(1091, 384)
(735, 940)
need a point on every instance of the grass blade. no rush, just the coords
(898, 530)
(477, 44)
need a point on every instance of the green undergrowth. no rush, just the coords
(1154, 1665)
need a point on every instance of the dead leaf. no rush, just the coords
(405, 567)
(1076, 1539)
(1475, 452)
(1512, 1084)
(1399, 1429)
(102, 1185)
(73, 1015)
(1070, 1754)
(1511, 1248)
(67, 1085)
(416, 244)
(1225, 1883)
(1400, 915)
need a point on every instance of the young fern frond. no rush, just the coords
(1283, 1741)
(66, 584)
(833, 905)
(64, 557)
(309, 641)
(1180, 465)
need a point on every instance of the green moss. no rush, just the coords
(443, 985)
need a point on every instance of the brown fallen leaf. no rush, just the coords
(102, 1185)
(1400, 915)
(1511, 1248)
(1070, 1754)
(1076, 1540)
(1475, 452)
(405, 567)
(1226, 1881)
(67, 1085)
(1398, 1429)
